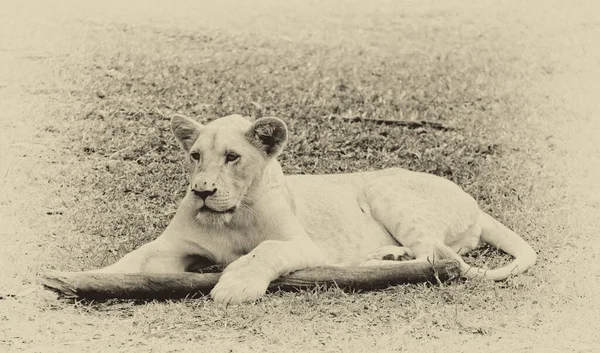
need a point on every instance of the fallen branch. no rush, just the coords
(407, 123)
(100, 286)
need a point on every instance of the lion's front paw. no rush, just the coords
(237, 287)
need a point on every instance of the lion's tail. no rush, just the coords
(496, 234)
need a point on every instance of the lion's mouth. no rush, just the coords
(206, 209)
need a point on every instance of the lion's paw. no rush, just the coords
(392, 253)
(237, 287)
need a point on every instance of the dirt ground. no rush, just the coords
(40, 44)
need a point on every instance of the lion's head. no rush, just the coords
(227, 159)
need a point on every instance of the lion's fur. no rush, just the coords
(268, 224)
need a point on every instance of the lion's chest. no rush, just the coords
(227, 245)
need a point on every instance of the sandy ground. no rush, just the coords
(37, 45)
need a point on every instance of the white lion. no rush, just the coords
(241, 211)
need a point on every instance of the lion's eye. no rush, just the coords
(195, 156)
(231, 157)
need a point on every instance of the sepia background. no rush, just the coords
(89, 169)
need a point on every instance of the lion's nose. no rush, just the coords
(203, 194)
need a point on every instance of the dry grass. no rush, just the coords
(129, 177)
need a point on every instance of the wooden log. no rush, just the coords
(148, 286)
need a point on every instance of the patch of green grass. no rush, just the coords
(136, 179)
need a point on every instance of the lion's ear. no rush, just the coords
(186, 130)
(268, 135)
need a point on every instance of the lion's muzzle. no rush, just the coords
(213, 199)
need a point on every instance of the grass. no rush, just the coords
(128, 176)
(133, 177)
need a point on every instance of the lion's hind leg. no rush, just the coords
(426, 214)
